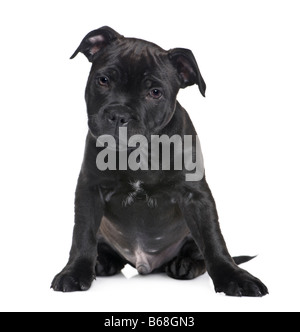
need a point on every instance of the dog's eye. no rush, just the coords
(103, 81)
(155, 93)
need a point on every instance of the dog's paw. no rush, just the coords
(185, 268)
(241, 283)
(105, 270)
(109, 262)
(73, 280)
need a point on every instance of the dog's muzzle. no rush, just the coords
(119, 116)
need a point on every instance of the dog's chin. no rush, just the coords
(98, 132)
(120, 143)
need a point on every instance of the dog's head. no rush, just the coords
(133, 83)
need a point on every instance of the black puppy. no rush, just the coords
(154, 219)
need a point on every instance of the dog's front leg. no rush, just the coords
(201, 216)
(79, 273)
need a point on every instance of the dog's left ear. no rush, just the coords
(95, 41)
(187, 68)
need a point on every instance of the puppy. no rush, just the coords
(142, 197)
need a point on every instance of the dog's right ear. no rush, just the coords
(95, 41)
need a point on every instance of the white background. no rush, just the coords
(248, 53)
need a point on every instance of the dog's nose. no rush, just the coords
(119, 118)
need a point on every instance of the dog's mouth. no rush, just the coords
(120, 140)
(99, 126)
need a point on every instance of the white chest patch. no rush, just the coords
(137, 185)
(138, 193)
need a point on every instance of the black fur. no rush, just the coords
(153, 220)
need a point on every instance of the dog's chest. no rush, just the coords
(146, 228)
